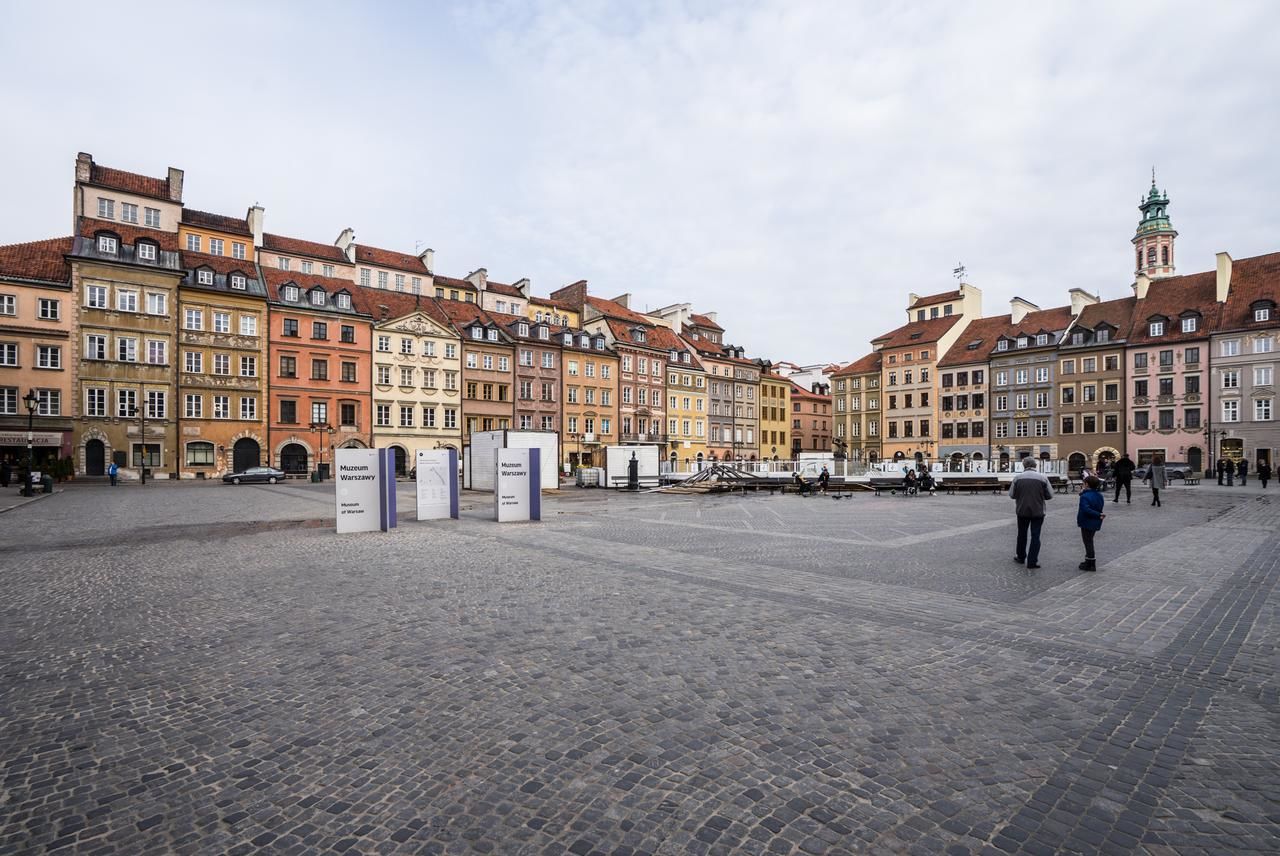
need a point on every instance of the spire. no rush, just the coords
(1153, 240)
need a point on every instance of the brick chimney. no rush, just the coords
(175, 184)
(254, 218)
(1079, 300)
(575, 294)
(1140, 285)
(84, 166)
(1224, 276)
(428, 258)
(347, 243)
(1018, 309)
(479, 278)
(384, 311)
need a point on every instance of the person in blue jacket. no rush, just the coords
(1089, 518)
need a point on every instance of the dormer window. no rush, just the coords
(637, 335)
(1102, 334)
(317, 297)
(107, 244)
(238, 281)
(289, 292)
(1042, 339)
(543, 332)
(1022, 341)
(675, 356)
(1155, 328)
(344, 300)
(204, 276)
(684, 358)
(146, 251)
(584, 341)
(493, 335)
(477, 332)
(1189, 324)
(1077, 338)
(568, 339)
(1002, 345)
(1262, 313)
(600, 343)
(523, 329)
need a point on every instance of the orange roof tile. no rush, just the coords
(1169, 298)
(917, 332)
(704, 321)
(299, 247)
(1252, 280)
(864, 365)
(130, 182)
(390, 259)
(976, 341)
(43, 261)
(613, 309)
(90, 226)
(221, 222)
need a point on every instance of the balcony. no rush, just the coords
(644, 438)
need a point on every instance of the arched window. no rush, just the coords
(1151, 256)
(1139, 257)
(1164, 255)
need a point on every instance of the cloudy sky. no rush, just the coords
(797, 167)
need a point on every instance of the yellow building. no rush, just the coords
(775, 418)
(557, 313)
(686, 407)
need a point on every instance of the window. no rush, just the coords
(193, 243)
(157, 352)
(1166, 359)
(406, 417)
(151, 217)
(126, 300)
(126, 403)
(1230, 379)
(1262, 410)
(238, 282)
(1102, 335)
(1262, 345)
(222, 364)
(1230, 347)
(248, 325)
(204, 276)
(289, 412)
(127, 349)
(406, 346)
(1090, 392)
(382, 279)
(406, 375)
(1189, 324)
(1020, 376)
(1110, 423)
(1191, 356)
(222, 407)
(248, 367)
(106, 208)
(1140, 360)
(1140, 389)
(1042, 339)
(215, 246)
(1230, 411)
(248, 408)
(319, 330)
(1191, 417)
(317, 297)
(1263, 375)
(1191, 384)
(200, 452)
(1165, 418)
(1002, 378)
(106, 244)
(382, 415)
(1089, 365)
(384, 375)
(1068, 367)
(95, 401)
(95, 347)
(1068, 395)
(319, 369)
(1166, 386)
(288, 366)
(48, 357)
(1042, 375)
(155, 404)
(282, 263)
(348, 372)
(319, 411)
(290, 327)
(222, 322)
(1155, 328)
(347, 415)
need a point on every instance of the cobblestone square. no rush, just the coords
(207, 669)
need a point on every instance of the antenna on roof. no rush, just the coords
(417, 245)
(958, 271)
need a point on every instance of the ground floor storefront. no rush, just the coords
(50, 450)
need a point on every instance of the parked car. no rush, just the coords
(1171, 469)
(270, 475)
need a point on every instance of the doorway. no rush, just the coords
(293, 459)
(401, 461)
(95, 458)
(245, 454)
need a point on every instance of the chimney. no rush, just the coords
(84, 166)
(1079, 300)
(1224, 276)
(428, 258)
(1140, 285)
(479, 278)
(175, 185)
(522, 285)
(575, 294)
(255, 223)
(384, 310)
(1018, 309)
(347, 243)
(623, 300)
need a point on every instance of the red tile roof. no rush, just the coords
(461, 314)
(983, 332)
(864, 365)
(221, 264)
(1252, 279)
(613, 309)
(552, 302)
(930, 330)
(37, 260)
(130, 182)
(276, 278)
(1042, 321)
(503, 288)
(398, 303)
(452, 282)
(390, 259)
(1169, 298)
(704, 321)
(931, 299)
(655, 336)
(798, 391)
(220, 222)
(90, 226)
(299, 247)
(1117, 313)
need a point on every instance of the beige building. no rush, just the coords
(775, 416)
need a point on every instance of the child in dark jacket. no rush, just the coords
(1089, 518)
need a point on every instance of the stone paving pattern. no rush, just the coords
(636, 675)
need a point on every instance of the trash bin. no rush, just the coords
(315, 476)
(46, 482)
(323, 469)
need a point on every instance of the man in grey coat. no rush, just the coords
(1030, 490)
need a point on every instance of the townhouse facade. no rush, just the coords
(687, 406)
(775, 415)
(1091, 382)
(964, 395)
(38, 326)
(487, 377)
(810, 419)
(861, 393)
(539, 364)
(588, 398)
(319, 351)
(909, 358)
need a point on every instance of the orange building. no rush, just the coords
(810, 419)
(320, 350)
(487, 376)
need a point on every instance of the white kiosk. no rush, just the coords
(517, 493)
(437, 483)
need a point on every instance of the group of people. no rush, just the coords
(1229, 471)
(1030, 490)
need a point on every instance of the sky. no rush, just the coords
(796, 167)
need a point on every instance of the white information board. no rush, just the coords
(358, 493)
(517, 491)
(437, 483)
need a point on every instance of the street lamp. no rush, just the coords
(32, 401)
(320, 428)
(141, 413)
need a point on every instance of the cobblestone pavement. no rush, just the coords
(198, 669)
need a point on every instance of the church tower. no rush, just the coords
(1153, 242)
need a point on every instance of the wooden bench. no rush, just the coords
(620, 482)
(894, 486)
(974, 486)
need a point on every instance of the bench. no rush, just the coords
(894, 486)
(974, 486)
(1059, 484)
(620, 482)
(1191, 480)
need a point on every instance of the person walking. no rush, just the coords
(1156, 475)
(1242, 469)
(1030, 490)
(1124, 477)
(1222, 469)
(5, 472)
(1089, 518)
(823, 478)
(1264, 472)
(113, 471)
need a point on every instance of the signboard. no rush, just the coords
(517, 491)
(387, 488)
(437, 483)
(358, 490)
(38, 438)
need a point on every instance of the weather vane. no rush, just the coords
(958, 271)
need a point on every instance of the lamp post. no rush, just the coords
(141, 413)
(32, 401)
(320, 428)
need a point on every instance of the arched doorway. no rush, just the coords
(402, 461)
(247, 453)
(898, 456)
(1076, 462)
(873, 457)
(95, 458)
(1195, 459)
(293, 459)
(1004, 462)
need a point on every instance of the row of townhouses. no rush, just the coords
(1184, 368)
(194, 344)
